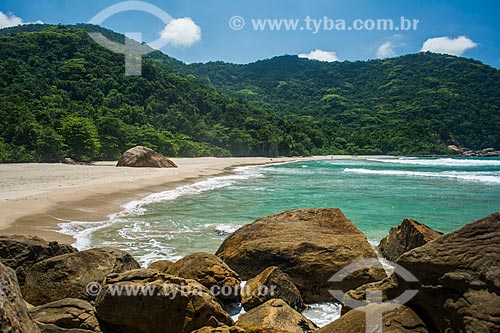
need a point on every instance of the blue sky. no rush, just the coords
(203, 33)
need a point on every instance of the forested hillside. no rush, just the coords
(61, 94)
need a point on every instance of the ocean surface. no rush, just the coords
(375, 194)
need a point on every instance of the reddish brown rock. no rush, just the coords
(163, 304)
(401, 320)
(275, 316)
(409, 235)
(144, 157)
(310, 245)
(20, 252)
(459, 278)
(271, 283)
(69, 275)
(210, 271)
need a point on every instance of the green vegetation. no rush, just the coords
(62, 95)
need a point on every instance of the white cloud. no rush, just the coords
(385, 50)
(12, 20)
(182, 32)
(454, 46)
(9, 20)
(320, 55)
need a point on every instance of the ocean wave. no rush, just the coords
(82, 231)
(448, 162)
(485, 177)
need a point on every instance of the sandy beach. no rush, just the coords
(35, 198)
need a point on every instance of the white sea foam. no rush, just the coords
(480, 176)
(82, 231)
(322, 314)
(449, 162)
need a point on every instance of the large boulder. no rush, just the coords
(21, 252)
(74, 275)
(401, 319)
(275, 316)
(210, 271)
(459, 278)
(271, 283)
(66, 314)
(151, 301)
(310, 245)
(144, 157)
(14, 316)
(407, 236)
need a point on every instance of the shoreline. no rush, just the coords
(36, 198)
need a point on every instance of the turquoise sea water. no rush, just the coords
(375, 194)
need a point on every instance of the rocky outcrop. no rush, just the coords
(401, 319)
(210, 271)
(21, 252)
(487, 152)
(271, 283)
(408, 235)
(275, 316)
(66, 314)
(161, 265)
(161, 303)
(14, 315)
(144, 157)
(310, 245)
(459, 278)
(223, 329)
(69, 275)
(388, 287)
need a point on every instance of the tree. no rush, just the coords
(50, 145)
(81, 137)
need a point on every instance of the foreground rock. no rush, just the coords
(388, 288)
(144, 157)
(161, 265)
(67, 314)
(459, 278)
(275, 316)
(405, 237)
(164, 304)
(211, 272)
(68, 275)
(21, 252)
(223, 329)
(310, 245)
(14, 315)
(271, 283)
(401, 319)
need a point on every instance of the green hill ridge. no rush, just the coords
(61, 95)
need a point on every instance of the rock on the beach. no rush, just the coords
(164, 304)
(69, 275)
(222, 329)
(271, 283)
(210, 271)
(21, 252)
(66, 314)
(14, 316)
(310, 245)
(275, 316)
(144, 157)
(161, 265)
(409, 235)
(401, 319)
(459, 278)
